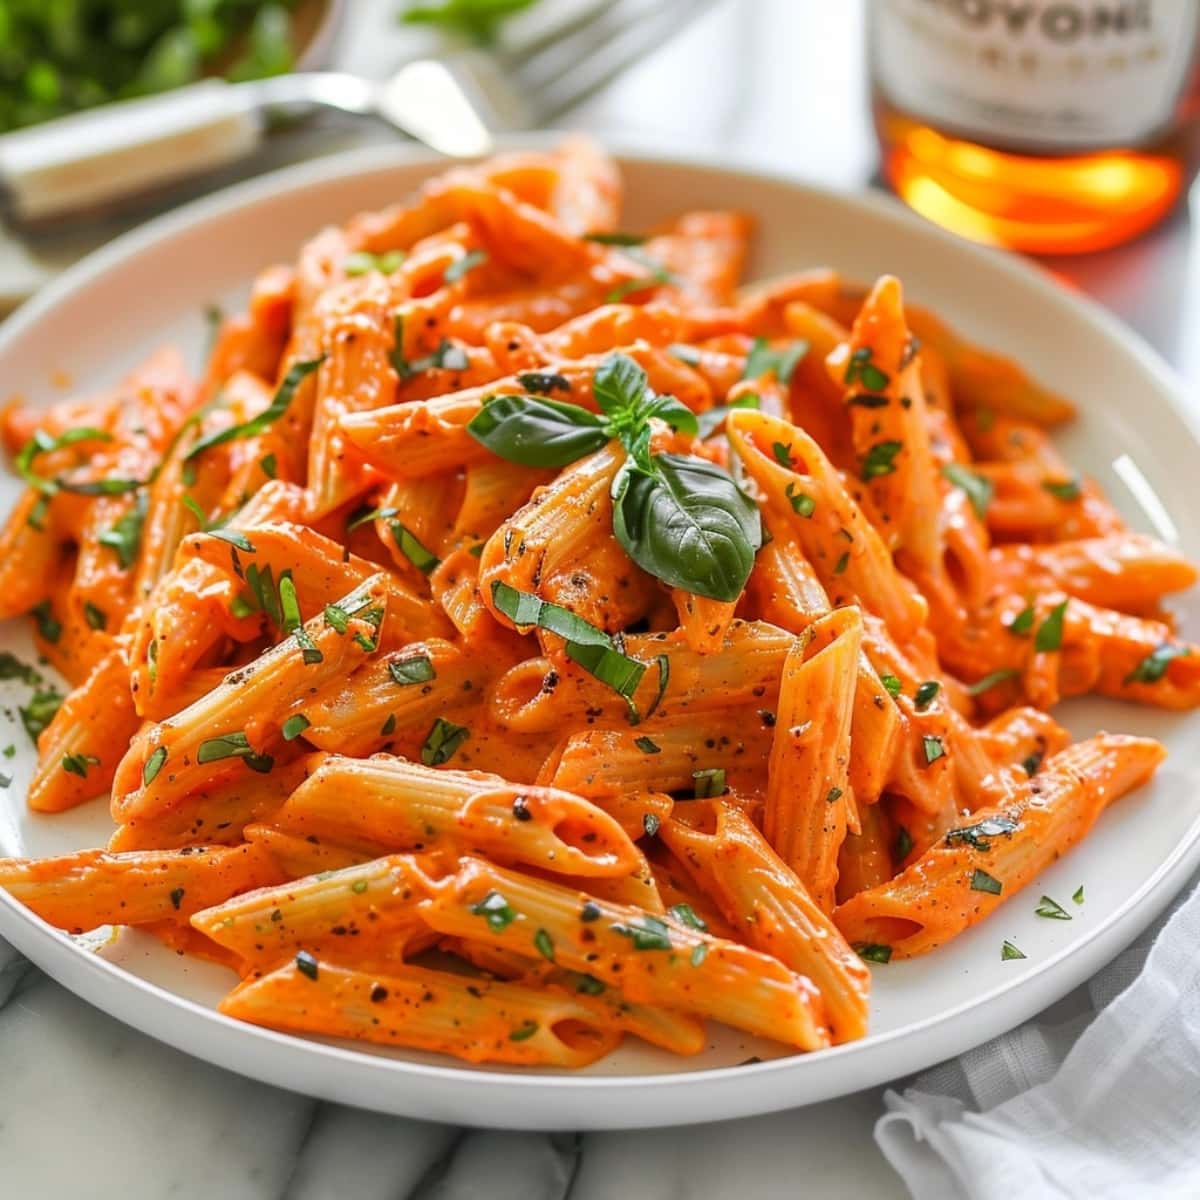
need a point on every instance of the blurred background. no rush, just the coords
(783, 84)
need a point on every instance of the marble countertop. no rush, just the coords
(90, 1108)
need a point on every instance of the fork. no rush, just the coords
(104, 158)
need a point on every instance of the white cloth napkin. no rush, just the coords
(1104, 1105)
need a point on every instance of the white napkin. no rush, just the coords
(1102, 1107)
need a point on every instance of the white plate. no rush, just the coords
(151, 286)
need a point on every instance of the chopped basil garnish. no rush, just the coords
(842, 563)
(925, 694)
(989, 681)
(239, 541)
(523, 1032)
(294, 726)
(337, 618)
(407, 671)
(781, 363)
(153, 765)
(646, 933)
(1033, 763)
(880, 459)
(979, 488)
(544, 382)
(233, 745)
(873, 952)
(1008, 952)
(536, 431)
(443, 739)
(77, 764)
(589, 985)
(94, 616)
(410, 546)
(306, 964)
(647, 745)
(981, 881)
(616, 239)
(783, 453)
(891, 684)
(389, 726)
(125, 536)
(976, 836)
(699, 953)
(362, 261)
(711, 419)
(656, 274)
(802, 503)
(708, 783)
(1022, 623)
(685, 914)
(296, 374)
(360, 516)
(1052, 910)
(289, 604)
(308, 648)
(47, 624)
(833, 795)
(1049, 636)
(1154, 666)
(42, 443)
(544, 944)
(861, 369)
(11, 667)
(904, 844)
(1078, 896)
(496, 910)
(460, 266)
(1065, 490)
(663, 663)
(40, 711)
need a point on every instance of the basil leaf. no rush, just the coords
(619, 383)
(781, 363)
(688, 524)
(1008, 952)
(296, 374)
(407, 671)
(617, 670)
(412, 548)
(873, 952)
(524, 609)
(979, 488)
(989, 681)
(1050, 633)
(674, 412)
(708, 783)
(535, 431)
(1065, 490)
(880, 459)
(892, 684)
(544, 382)
(153, 765)
(1154, 666)
(496, 910)
(976, 836)
(712, 419)
(42, 443)
(294, 726)
(925, 693)
(1022, 623)
(616, 239)
(443, 739)
(40, 711)
(233, 745)
(862, 370)
(460, 266)
(981, 881)
(1051, 909)
(125, 536)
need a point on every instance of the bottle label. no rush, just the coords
(1036, 74)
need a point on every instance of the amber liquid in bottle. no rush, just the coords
(1054, 128)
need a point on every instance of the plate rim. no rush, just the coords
(746, 1090)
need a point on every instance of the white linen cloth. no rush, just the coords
(1103, 1105)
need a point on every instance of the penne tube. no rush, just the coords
(298, 856)
(478, 1020)
(406, 806)
(91, 888)
(652, 959)
(998, 850)
(638, 813)
(770, 907)
(807, 806)
(865, 859)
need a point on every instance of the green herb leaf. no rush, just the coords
(880, 459)
(1022, 623)
(620, 672)
(981, 881)
(11, 667)
(233, 745)
(294, 726)
(842, 563)
(979, 488)
(125, 536)
(1078, 896)
(763, 360)
(544, 944)
(904, 844)
(802, 503)
(460, 266)
(524, 609)
(477, 19)
(77, 764)
(40, 711)
(443, 739)
(306, 964)
(238, 540)
(783, 454)
(1051, 910)
(989, 681)
(619, 384)
(1033, 763)
(1008, 952)
(544, 382)
(496, 910)
(296, 374)
(712, 419)
(1050, 633)
(616, 239)
(646, 933)
(589, 985)
(535, 431)
(153, 765)
(362, 261)
(685, 914)
(647, 745)
(1154, 666)
(42, 443)
(48, 624)
(269, 465)
(861, 369)
(523, 1032)
(663, 663)
(925, 694)
(873, 952)
(891, 684)
(289, 604)
(1065, 490)
(699, 953)
(407, 671)
(977, 836)
(389, 726)
(411, 547)
(708, 783)
(687, 524)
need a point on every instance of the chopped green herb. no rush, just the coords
(833, 795)
(981, 881)
(647, 746)
(708, 783)
(616, 239)
(544, 945)
(11, 667)
(663, 663)
(781, 363)
(443, 739)
(77, 764)
(685, 914)
(1065, 490)
(308, 648)
(873, 952)
(125, 536)
(289, 604)
(40, 710)
(407, 671)
(360, 516)
(410, 546)
(1052, 910)
(544, 382)
(646, 932)
(925, 694)
(233, 745)
(306, 964)
(979, 488)
(337, 618)
(904, 844)
(842, 563)
(1008, 952)
(891, 684)
(989, 681)
(589, 985)
(153, 765)
(699, 953)
(1033, 763)
(1022, 623)
(389, 726)
(1078, 896)
(1154, 666)
(362, 261)
(1049, 636)
(460, 266)
(47, 624)
(977, 835)
(802, 503)
(496, 910)
(359, 886)
(783, 454)
(239, 541)
(861, 369)
(523, 1032)
(294, 726)
(880, 459)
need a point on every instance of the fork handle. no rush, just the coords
(103, 156)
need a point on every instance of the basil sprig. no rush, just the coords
(681, 518)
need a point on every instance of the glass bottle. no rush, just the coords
(1053, 126)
